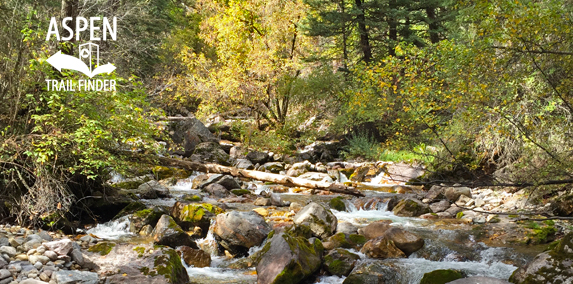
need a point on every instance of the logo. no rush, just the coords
(88, 61)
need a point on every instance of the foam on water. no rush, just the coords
(362, 217)
(330, 280)
(112, 230)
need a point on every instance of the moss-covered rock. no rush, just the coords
(550, 267)
(189, 215)
(168, 233)
(382, 247)
(340, 262)
(240, 192)
(148, 216)
(130, 209)
(161, 172)
(192, 197)
(410, 207)
(238, 231)
(341, 240)
(103, 248)
(320, 219)
(372, 273)
(441, 276)
(288, 259)
(337, 204)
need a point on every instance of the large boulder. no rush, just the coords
(152, 189)
(211, 152)
(298, 169)
(342, 240)
(549, 267)
(319, 218)
(411, 207)
(139, 263)
(375, 229)
(168, 233)
(404, 240)
(441, 276)
(244, 164)
(189, 215)
(372, 272)
(144, 217)
(189, 132)
(382, 247)
(216, 190)
(194, 257)
(238, 231)
(454, 193)
(440, 206)
(288, 259)
(340, 262)
(436, 193)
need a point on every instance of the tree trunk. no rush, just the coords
(262, 176)
(363, 31)
(433, 25)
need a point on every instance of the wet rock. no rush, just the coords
(404, 240)
(359, 174)
(440, 206)
(453, 193)
(153, 189)
(75, 277)
(382, 247)
(288, 259)
(258, 157)
(410, 207)
(337, 203)
(244, 164)
(375, 203)
(441, 276)
(145, 217)
(189, 132)
(211, 152)
(346, 228)
(194, 257)
(168, 233)
(341, 240)
(216, 190)
(261, 201)
(321, 221)
(273, 167)
(238, 231)
(142, 263)
(61, 247)
(552, 267)
(479, 280)
(372, 273)
(340, 262)
(375, 229)
(228, 182)
(189, 215)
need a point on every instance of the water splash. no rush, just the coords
(208, 243)
(330, 280)
(112, 230)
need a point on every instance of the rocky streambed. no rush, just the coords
(212, 228)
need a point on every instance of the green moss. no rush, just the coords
(102, 248)
(357, 239)
(192, 198)
(130, 208)
(542, 235)
(240, 192)
(131, 184)
(337, 204)
(441, 276)
(195, 212)
(512, 216)
(140, 251)
(459, 215)
(169, 265)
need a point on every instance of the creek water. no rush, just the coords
(452, 247)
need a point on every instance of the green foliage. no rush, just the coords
(360, 145)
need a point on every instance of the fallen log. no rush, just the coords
(258, 175)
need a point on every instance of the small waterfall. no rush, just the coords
(208, 244)
(377, 179)
(112, 230)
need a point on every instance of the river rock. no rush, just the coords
(440, 206)
(479, 280)
(372, 272)
(375, 229)
(273, 167)
(261, 201)
(189, 215)
(189, 132)
(237, 152)
(211, 152)
(288, 259)
(346, 228)
(404, 240)
(382, 247)
(238, 231)
(340, 262)
(298, 169)
(453, 193)
(75, 277)
(168, 233)
(144, 217)
(276, 200)
(441, 276)
(33, 281)
(342, 240)
(375, 203)
(141, 263)
(152, 189)
(10, 251)
(552, 267)
(258, 157)
(216, 190)
(61, 247)
(435, 193)
(314, 176)
(194, 257)
(320, 219)
(244, 164)
(228, 182)
(411, 207)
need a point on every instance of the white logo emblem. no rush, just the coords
(84, 63)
